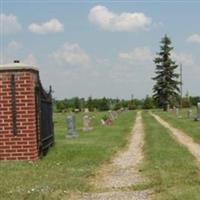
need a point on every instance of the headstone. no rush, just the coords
(126, 109)
(177, 111)
(119, 111)
(198, 111)
(168, 108)
(76, 110)
(71, 128)
(103, 122)
(115, 115)
(189, 114)
(86, 110)
(108, 121)
(122, 110)
(174, 110)
(86, 123)
(110, 115)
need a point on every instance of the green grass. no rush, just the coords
(190, 126)
(173, 172)
(69, 164)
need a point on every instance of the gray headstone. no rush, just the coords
(126, 109)
(198, 111)
(114, 113)
(71, 128)
(189, 114)
(110, 114)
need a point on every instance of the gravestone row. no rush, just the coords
(189, 112)
(111, 116)
(71, 127)
(107, 120)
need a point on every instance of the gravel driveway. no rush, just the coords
(116, 178)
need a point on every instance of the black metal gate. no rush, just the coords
(44, 118)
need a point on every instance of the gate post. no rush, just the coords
(18, 121)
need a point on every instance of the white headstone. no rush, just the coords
(86, 110)
(103, 122)
(86, 123)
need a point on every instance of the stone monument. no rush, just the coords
(189, 114)
(71, 128)
(198, 111)
(87, 123)
(110, 115)
(177, 111)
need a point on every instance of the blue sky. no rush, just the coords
(101, 48)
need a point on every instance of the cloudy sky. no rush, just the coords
(100, 48)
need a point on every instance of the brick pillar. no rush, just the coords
(18, 129)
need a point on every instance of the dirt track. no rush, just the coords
(181, 137)
(123, 171)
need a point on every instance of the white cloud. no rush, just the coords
(195, 38)
(184, 58)
(9, 24)
(110, 21)
(142, 54)
(71, 54)
(52, 26)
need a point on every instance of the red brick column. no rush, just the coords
(21, 143)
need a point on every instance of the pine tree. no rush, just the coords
(166, 89)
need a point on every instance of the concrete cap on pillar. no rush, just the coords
(16, 65)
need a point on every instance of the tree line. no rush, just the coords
(105, 104)
(100, 104)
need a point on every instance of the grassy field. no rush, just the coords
(69, 164)
(190, 126)
(173, 172)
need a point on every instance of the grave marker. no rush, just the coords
(177, 111)
(198, 111)
(189, 114)
(114, 113)
(87, 123)
(71, 128)
(110, 115)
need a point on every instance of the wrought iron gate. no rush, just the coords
(44, 118)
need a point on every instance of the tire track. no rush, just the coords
(123, 172)
(181, 137)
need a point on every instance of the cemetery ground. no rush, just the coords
(174, 172)
(190, 126)
(71, 166)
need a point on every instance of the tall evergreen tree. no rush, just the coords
(166, 89)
